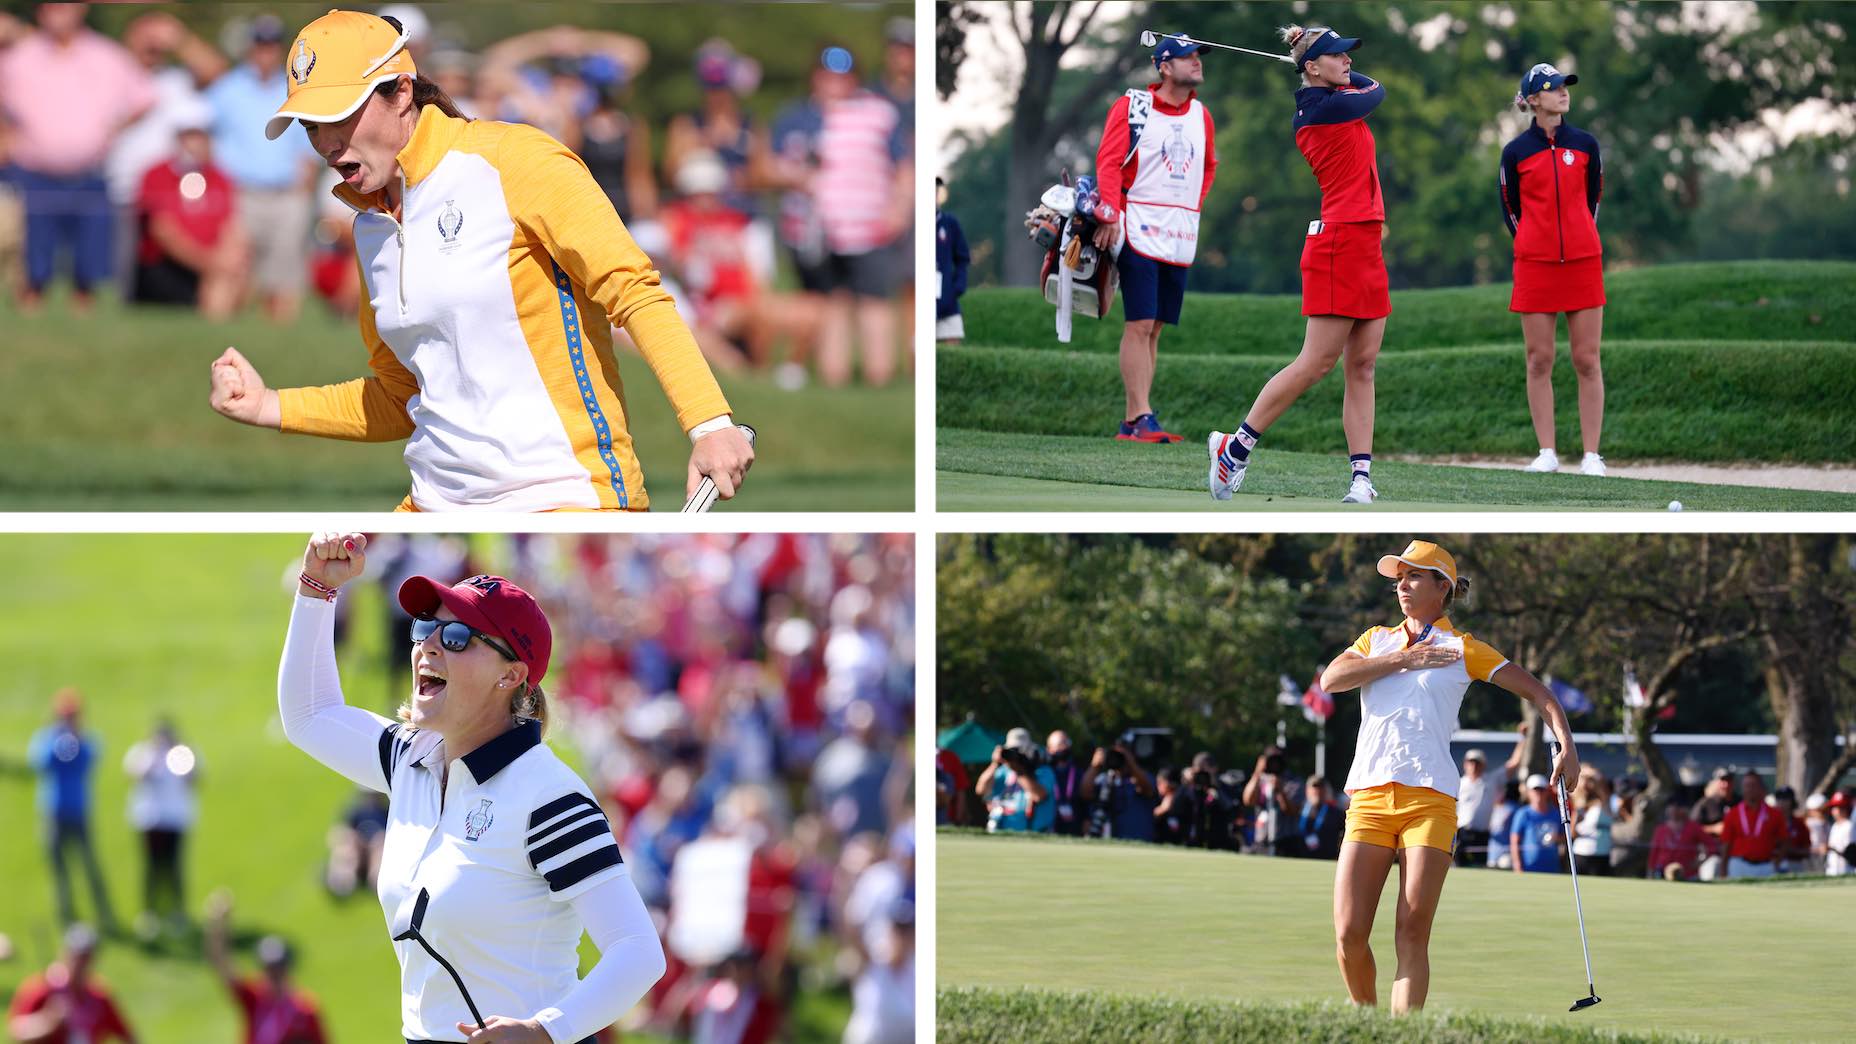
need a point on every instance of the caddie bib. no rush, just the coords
(1162, 218)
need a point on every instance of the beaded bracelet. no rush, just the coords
(327, 592)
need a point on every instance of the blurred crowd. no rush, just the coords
(1131, 789)
(741, 703)
(142, 163)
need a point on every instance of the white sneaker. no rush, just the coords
(1361, 492)
(1593, 464)
(1547, 461)
(1223, 478)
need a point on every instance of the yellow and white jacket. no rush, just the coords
(486, 320)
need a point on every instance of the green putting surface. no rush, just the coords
(986, 471)
(1743, 961)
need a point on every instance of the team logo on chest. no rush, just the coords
(302, 62)
(1567, 157)
(450, 220)
(479, 820)
(1177, 153)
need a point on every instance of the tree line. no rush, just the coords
(1664, 86)
(1099, 633)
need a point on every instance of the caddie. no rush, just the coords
(1154, 169)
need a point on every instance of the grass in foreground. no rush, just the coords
(981, 471)
(971, 1015)
(112, 415)
(1180, 926)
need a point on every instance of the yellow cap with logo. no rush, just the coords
(336, 60)
(1422, 554)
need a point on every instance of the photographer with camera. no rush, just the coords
(1121, 792)
(1017, 786)
(1267, 794)
(1071, 807)
(1174, 822)
(1211, 806)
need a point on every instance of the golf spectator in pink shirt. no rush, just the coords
(65, 92)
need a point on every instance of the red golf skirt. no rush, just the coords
(1344, 271)
(1558, 286)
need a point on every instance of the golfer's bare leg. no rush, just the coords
(1420, 883)
(834, 341)
(1358, 879)
(876, 324)
(1583, 329)
(1321, 349)
(1537, 332)
(1140, 339)
(1357, 403)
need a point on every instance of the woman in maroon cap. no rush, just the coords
(496, 855)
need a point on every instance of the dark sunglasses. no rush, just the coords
(455, 635)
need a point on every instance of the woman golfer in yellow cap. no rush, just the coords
(1411, 678)
(492, 265)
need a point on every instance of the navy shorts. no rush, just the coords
(1150, 289)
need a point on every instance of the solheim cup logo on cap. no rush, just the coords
(479, 820)
(449, 222)
(302, 62)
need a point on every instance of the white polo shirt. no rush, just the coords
(1407, 718)
(513, 835)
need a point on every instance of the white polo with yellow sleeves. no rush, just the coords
(1408, 717)
(514, 851)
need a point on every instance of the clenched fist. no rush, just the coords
(724, 455)
(333, 559)
(239, 393)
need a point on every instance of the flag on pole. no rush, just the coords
(1572, 699)
(1317, 702)
(1289, 692)
(1633, 692)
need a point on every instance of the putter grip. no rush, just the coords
(704, 497)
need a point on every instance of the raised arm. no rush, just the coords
(316, 719)
(1515, 679)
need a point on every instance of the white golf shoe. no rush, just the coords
(1593, 464)
(1361, 491)
(1225, 476)
(1547, 461)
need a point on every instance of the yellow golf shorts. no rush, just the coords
(1394, 815)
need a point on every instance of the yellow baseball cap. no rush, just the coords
(336, 60)
(1424, 555)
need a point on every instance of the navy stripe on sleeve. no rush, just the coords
(392, 745)
(541, 853)
(556, 807)
(575, 818)
(582, 868)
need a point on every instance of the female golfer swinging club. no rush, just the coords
(493, 265)
(1551, 179)
(496, 854)
(1411, 678)
(1344, 289)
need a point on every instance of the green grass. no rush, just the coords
(111, 414)
(1739, 300)
(1734, 362)
(984, 471)
(1171, 927)
(191, 626)
(977, 1015)
(1667, 400)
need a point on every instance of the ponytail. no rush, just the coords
(531, 703)
(1299, 41)
(424, 92)
(1459, 590)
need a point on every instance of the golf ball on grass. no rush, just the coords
(1675, 505)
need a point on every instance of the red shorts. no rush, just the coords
(1344, 271)
(1558, 286)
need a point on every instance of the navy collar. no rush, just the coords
(493, 757)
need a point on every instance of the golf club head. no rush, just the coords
(1148, 39)
(1060, 198)
(1584, 1002)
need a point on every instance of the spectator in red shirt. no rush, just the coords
(709, 249)
(1675, 850)
(275, 1013)
(64, 1005)
(192, 250)
(1753, 832)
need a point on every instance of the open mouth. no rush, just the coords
(348, 171)
(429, 684)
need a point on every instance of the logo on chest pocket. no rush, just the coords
(1566, 157)
(450, 222)
(478, 820)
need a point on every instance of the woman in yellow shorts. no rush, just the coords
(1411, 678)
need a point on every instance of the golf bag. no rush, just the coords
(1076, 277)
